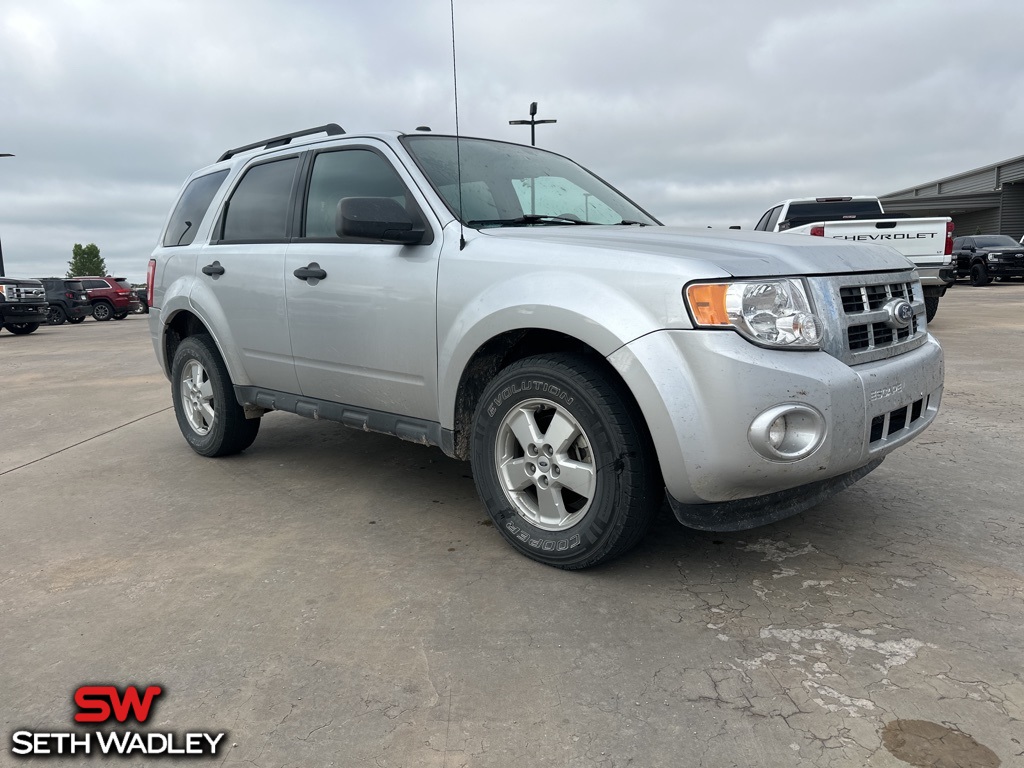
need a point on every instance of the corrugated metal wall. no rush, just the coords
(1011, 172)
(982, 181)
(976, 223)
(1012, 223)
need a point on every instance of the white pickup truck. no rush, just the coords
(927, 242)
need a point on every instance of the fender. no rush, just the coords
(537, 300)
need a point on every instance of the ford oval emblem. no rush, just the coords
(901, 313)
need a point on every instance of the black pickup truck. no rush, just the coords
(22, 305)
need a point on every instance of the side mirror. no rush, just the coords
(376, 218)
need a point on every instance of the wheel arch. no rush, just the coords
(502, 350)
(185, 322)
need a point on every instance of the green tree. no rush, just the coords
(86, 260)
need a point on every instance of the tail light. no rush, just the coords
(150, 279)
(949, 239)
(818, 231)
(68, 295)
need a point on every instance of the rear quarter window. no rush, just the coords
(191, 208)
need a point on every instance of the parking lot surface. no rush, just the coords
(335, 598)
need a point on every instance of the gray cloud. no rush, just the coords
(704, 113)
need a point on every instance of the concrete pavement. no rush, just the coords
(334, 598)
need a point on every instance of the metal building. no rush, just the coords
(987, 200)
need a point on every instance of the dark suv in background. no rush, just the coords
(111, 297)
(67, 299)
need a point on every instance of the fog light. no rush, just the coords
(777, 432)
(787, 432)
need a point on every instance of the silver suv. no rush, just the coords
(510, 307)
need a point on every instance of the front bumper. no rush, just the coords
(701, 390)
(1005, 268)
(12, 312)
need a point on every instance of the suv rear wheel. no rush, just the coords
(102, 310)
(20, 329)
(209, 417)
(55, 315)
(563, 462)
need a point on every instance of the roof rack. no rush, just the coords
(331, 129)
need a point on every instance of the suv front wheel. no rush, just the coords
(209, 417)
(563, 462)
(979, 275)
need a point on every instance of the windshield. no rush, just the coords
(995, 241)
(513, 185)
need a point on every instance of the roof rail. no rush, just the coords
(331, 129)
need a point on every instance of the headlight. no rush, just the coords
(993, 256)
(775, 313)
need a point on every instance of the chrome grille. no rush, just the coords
(866, 329)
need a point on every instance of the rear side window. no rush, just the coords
(191, 208)
(258, 208)
(94, 284)
(74, 285)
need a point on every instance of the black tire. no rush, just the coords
(22, 329)
(102, 311)
(209, 417)
(931, 306)
(120, 315)
(601, 436)
(979, 275)
(76, 320)
(55, 315)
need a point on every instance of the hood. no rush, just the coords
(736, 253)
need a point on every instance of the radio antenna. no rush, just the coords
(458, 154)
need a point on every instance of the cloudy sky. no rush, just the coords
(704, 112)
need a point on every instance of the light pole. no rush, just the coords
(533, 122)
(2, 273)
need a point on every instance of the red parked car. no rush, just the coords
(111, 297)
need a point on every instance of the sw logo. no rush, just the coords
(101, 704)
(97, 702)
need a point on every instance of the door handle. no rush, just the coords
(312, 271)
(213, 269)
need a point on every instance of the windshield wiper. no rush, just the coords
(629, 223)
(529, 218)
